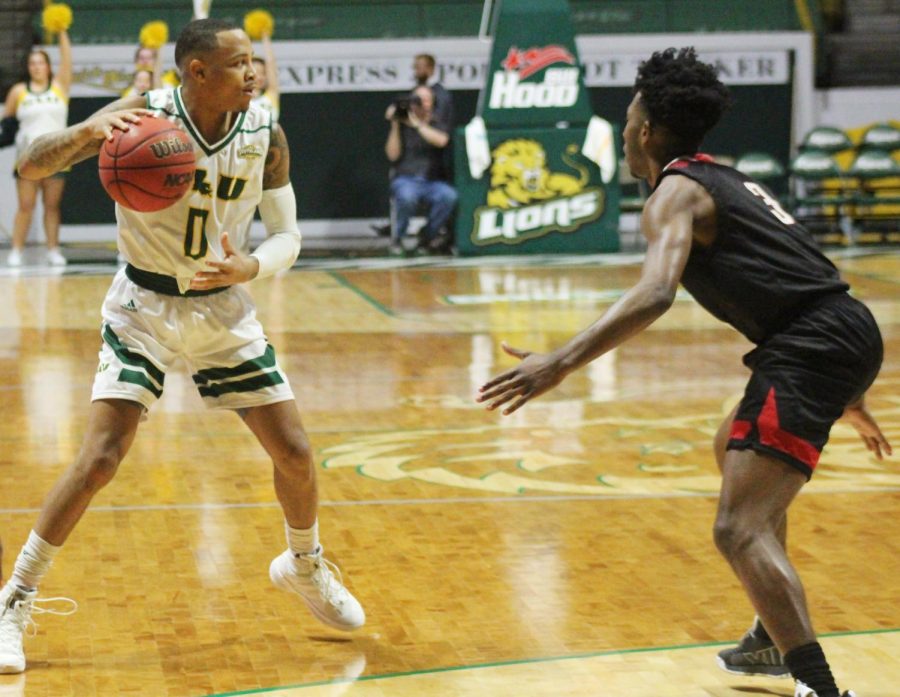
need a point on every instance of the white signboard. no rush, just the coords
(106, 70)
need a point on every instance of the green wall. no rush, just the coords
(119, 21)
(338, 166)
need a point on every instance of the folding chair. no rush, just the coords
(876, 210)
(826, 139)
(881, 136)
(822, 197)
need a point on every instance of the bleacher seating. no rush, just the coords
(848, 192)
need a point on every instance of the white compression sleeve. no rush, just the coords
(278, 210)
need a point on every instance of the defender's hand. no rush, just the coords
(101, 126)
(235, 268)
(536, 374)
(865, 424)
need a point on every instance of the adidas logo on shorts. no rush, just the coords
(130, 306)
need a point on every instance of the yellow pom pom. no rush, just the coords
(170, 78)
(154, 34)
(258, 23)
(57, 17)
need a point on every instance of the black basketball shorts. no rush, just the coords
(803, 378)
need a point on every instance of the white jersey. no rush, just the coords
(227, 188)
(40, 113)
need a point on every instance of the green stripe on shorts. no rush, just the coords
(267, 360)
(128, 357)
(248, 385)
(136, 377)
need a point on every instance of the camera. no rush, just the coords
(403, 103)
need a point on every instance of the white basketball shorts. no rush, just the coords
(218, 335)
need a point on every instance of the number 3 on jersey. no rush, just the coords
(771, 203)
(195, 244)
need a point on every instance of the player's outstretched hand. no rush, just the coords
(102, 126)
(868, 429)
(234, 268)
(537, 373)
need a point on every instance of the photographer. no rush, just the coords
(415, 146)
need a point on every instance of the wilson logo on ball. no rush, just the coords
(172, 146)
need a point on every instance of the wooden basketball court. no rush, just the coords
(565, 550)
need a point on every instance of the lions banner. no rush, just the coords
(527, 165)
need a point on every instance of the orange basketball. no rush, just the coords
(149, 167)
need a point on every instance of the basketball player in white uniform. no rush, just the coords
(183, 265)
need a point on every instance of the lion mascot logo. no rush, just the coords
(520, 176)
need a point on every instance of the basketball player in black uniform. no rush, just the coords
(748, 262)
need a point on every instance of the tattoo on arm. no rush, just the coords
(55, 151)
(62, 149)
(278, 162)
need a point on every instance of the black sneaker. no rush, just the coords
(754, 655)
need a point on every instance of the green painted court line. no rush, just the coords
(352, 287)
(523, 661)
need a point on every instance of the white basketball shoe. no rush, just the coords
(15, 616)
(318, 581)
(16, 607)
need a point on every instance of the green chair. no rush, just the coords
(826, 139)
(881, 136)
(822, 197)
(876, 210)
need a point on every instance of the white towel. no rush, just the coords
(477, 149)
(600, 147)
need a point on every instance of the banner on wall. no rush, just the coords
(107, 70)
(525, 184)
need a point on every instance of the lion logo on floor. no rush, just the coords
(520, 176)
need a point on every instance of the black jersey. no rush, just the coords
(763, 268)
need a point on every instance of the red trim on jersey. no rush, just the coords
(771, 434)
(740, 429)
(684, 161)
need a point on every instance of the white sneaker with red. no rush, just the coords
(318, 581)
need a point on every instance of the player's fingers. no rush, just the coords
(513, 351)
(501, 399)
(226, 245)
(502, 377)
(121, 124)
(883, 445)
(515, 405)
(509, 385)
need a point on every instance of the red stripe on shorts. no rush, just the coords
(740, 429)
(771, 434)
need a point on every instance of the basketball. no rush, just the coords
(149, 167)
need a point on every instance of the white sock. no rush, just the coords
(33, 562)
(302, 541)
